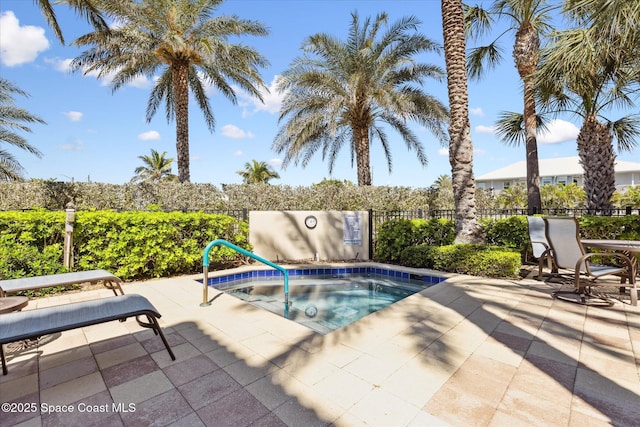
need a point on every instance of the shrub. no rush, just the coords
(420, 256)
(492, 262)
(477, 260)
(23, 260)
(130, 244)
(473, 259)
(599, 227)
(30, 243)
(511, 232)
(153, 244)
(397, 234)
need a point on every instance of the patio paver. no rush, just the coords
(466, 352)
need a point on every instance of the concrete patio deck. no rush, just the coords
(466, 352)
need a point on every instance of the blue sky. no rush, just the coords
(94, 134)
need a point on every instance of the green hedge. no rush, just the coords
(132, 245)
(31, 243)
(511, 232)
(397, 234)
(472, 259)
(622, 228)
(174, 196)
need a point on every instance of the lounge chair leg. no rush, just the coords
(152, 323)
(4, 362)
(164, 340)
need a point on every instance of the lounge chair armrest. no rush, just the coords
(583, 260)
(541, 242)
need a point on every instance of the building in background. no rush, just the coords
(562, 170)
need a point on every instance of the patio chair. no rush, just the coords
(539, 245)
(563, 235)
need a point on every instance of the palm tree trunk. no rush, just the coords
(362, 155)
(181, 94)
(460, 144)
(526, 53)
(534, 199)
(597, 157)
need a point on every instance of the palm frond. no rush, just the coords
(482, 59)
(477, 21)
(626, 131)
(510, 127)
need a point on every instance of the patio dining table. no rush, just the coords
(631, 248)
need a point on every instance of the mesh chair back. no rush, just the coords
(537, 235)
(563, 236)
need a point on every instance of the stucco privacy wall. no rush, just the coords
(337, 235)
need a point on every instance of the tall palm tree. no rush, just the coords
(187, 46)
(13, 118)
(460, 144)
(88, 9)
(157, 167)
(530, 19)
(577, 76)
(256, 172)
(442, 192)
(341, 91)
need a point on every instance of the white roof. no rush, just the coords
(560, 166)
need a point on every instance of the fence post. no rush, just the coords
(371, 226)
(69, 221)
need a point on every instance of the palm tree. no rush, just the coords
(157, 168)
(187, 46)
(442, 192)
(88, 9)
(577, 76)
(530, 19)
(257, 173)
(340, 92)
(460, 144)
(558, 196)
(513, 197)
(13, 118)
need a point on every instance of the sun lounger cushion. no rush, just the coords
(35, 323)
(63, 279)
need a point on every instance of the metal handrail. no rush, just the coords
(205, 269)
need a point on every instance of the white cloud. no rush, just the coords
(76, 145)
(443, 151)
(238, 153)
(484, 129)
(74, 116)
(105, 80)
(558, 131)
(272, 99)
(234, 132)
(476, 112)
(62, 65)
(479, 152)
(275, 162)
(149, 135)
(20, 44)
(141, 82)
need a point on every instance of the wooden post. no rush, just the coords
(70, 218)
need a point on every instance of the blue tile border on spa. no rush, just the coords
(254, 275)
